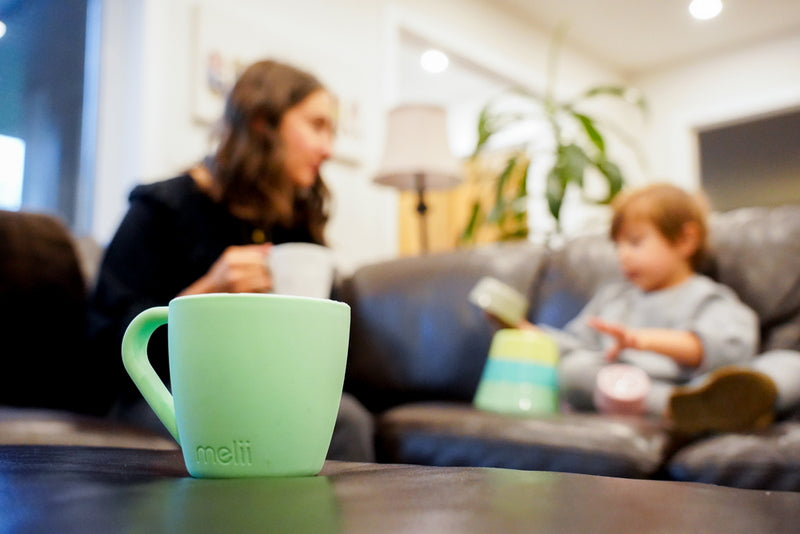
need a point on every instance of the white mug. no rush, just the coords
(301, 269)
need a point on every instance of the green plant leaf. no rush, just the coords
(613, 176)
(519, 206)
(519, 211)
(632, 96)
(491, 122)
(498, 212)
(555, 190)
(607, 90)
(571, 163)
(474, 221)
(569, 168)
(519, 232)
(485, 130)
(504, 176)
(591, 131)
(522, 189)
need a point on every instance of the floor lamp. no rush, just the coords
(417, 156)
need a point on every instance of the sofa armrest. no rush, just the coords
(43, 315)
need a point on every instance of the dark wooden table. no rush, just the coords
(54, 489)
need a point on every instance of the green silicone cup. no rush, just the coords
(256, 380)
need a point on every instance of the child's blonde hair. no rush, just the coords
(669, 208)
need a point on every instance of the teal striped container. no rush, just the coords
(520, 375)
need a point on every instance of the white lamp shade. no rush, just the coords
(416, 148)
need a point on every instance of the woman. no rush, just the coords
(210, 229)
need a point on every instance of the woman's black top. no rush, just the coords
(171, 235)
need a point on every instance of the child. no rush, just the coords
(668, 321)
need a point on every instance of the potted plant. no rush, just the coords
(569, 136)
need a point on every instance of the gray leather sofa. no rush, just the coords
(418, 348)
(48, 383)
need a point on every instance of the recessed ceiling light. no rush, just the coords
(705, 9)
(434, 61)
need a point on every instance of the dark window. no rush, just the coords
(42, 65)
(752, 163)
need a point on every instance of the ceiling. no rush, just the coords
(632, 37)
(639, 36)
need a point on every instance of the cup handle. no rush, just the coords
(134, 357)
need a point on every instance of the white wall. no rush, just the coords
(147, 132)
(747, 83)
(146, 127)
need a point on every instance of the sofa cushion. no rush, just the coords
(414, 335)
(765, 460)
(756, 251)
(573, 273)
(449, 434)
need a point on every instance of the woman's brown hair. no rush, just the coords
(248, 164)
(670, 209)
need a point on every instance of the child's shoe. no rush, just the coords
(731, 399)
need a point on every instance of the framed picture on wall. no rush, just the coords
(221, 51)
(225, 44)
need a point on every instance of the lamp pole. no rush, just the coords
(422, 210)
(417, 157)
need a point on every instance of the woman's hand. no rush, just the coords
(239, 269)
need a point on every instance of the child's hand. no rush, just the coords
(625, 337)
